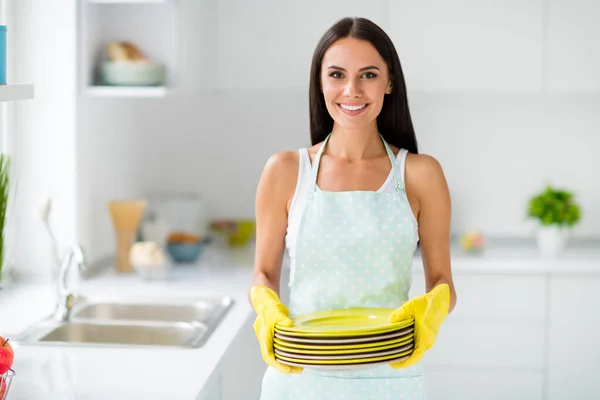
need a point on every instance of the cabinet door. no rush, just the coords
(574, 342)
(212, 390)
(269, 44)
(243, 367)
(494, 297)
(573, 51)
(493, 384)
(469, 44)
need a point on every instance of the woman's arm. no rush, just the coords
(275, 189)
(425, 175)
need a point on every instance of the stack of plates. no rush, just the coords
(344, 339)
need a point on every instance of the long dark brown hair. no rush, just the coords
(394, 121)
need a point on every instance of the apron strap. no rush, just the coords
(397, 174)
(315, 169)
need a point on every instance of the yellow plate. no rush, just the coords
(345, 362)
(347, 349)
(332, 340)
(344, 367)
(344, 322)
(309, 357)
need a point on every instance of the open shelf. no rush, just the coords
(16, 91)
(124, 91)
(150, 25)
(126, 1)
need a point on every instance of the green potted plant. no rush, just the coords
(4, 198)
(557, 213)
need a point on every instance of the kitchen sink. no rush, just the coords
(132, 322)
(110, 334)
(203, 310)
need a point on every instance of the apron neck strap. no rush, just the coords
(397, 174)
(390, 153)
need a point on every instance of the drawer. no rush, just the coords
(488, 385)
(573, 382)
(488, 344)
(495, 297)
(575, 322)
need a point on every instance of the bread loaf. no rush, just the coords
(124, 51)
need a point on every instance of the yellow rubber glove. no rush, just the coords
(270, 311)
(429, 311)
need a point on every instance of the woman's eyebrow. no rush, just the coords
(362, 69)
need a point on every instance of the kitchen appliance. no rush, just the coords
(174, 213)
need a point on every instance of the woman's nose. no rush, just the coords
(352, 89)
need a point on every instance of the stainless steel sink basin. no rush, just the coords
(110, 334)
(128, 322)
(204, 310)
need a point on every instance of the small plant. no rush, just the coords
(555, 207)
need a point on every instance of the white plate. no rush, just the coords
(357, 356)
(343, 367)
(333, 340)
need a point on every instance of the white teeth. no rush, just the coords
(352, 108)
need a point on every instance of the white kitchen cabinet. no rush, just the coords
(489, 345)
(212, 390)
(495, 297)
(574, 342)
(573, 51)
(268, 44)
(492, 346)
(469, 45)
(477, 384)
(242, 368)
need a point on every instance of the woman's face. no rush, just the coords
(354, 81)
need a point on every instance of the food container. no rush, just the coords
(149, 261)
(132, 73)
(171, 212)
(2, 55)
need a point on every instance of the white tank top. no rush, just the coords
(300, 195)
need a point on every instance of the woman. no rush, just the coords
(350, 222)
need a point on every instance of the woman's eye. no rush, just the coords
(369, 75)
(336, 75)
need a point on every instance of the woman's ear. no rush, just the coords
(388, 89)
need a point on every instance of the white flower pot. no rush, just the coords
(551, 240)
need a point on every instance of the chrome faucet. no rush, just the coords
(66, 297)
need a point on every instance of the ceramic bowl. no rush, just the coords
(185, 253)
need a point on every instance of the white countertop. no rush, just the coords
(521, 257)
(53, 372)
(45, 372)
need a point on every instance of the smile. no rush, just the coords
(352, 109)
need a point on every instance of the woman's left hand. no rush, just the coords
(429, 312)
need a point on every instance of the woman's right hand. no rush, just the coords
(270, 311)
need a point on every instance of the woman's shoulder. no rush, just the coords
(423, 165)
(423, 172)
(283, 163)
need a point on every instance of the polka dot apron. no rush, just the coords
(354, 249)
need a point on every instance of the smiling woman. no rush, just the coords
(371, 70)
(350, 211)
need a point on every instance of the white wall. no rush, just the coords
(241, 95)
(41, 50)
(489, 100)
